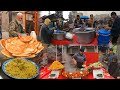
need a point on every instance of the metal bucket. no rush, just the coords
(85, 37)
(59, 36)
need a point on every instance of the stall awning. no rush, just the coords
(84, 17)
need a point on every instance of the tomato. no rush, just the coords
(70, 76)
(79, 74)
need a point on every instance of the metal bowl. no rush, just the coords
(59, 35)
(86, 36)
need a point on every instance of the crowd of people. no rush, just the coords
(16, 27)
(45, 35)
(114, 27)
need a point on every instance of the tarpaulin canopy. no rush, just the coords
(84, 17)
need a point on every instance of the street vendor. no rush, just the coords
(46, 33)
(79, 59)
(59, 25)
(16, 27)
(66, 27)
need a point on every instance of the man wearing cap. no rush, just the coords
(79, 59)
(15, 27)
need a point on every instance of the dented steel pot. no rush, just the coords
(59, 36)
(86, 36)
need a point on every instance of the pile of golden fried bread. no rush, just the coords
(21, 47)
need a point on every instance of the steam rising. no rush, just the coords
(68, 66)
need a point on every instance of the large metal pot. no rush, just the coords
(59, 36)
(86, 36)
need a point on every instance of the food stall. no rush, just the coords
(93, 70)
(18, 57)
(20, 53)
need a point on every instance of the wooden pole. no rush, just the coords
(35, 22)
(56, 52)
(25, 21)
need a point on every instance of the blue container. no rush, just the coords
(103, 37)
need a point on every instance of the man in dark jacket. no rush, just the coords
(77, 22)
(115, 31)
(46, 34)
(79, 59)
(114, 68)
(59, 25)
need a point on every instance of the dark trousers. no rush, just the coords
(114, 39)
(79, 64)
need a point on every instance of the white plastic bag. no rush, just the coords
(33, 34)
(69, 36)
(110, 45)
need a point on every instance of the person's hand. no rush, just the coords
(27, 34)
(82, 29)
(118, 77)
(73, 61)
(83, 65)
(107, 27)
(19, 35)
(53, 28)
